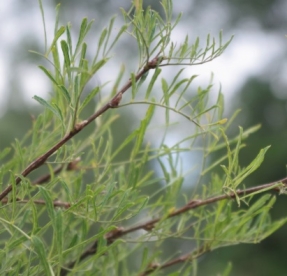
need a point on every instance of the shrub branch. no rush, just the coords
(181, 259)
(149, 225)
(113, 103)
(56, 203)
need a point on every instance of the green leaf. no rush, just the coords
(48, 200)
(273, 227)
(77, 89)
(4, 152)
(57, 36)
(177, 86)
(112, 21)
(184, 48)
(16, 242)
(251, 167)
(65, 50)
(142, 79)
(118, 80)
(227, 270)
(59, 112)
(41, 252)
(134, 86)
(57, 65)
(65, 93)
(102, 38)
(184, 92)
(194, 49)
(164, 87)
(142, 129)
(156, 73)
(69, 39)
(43, 21)
(90, 96)
(57, 18)
(49, 74)
(164, 170)
(123, 205)
(124, 143)
(58, 229)
(234, 163)
(85, 74)
(83, 30)
(122, 30)
(47, 105)
(108, 194)
(98, 65)
(66, 189)
(144, 261)
(83, 54)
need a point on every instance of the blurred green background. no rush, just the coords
(252, 73)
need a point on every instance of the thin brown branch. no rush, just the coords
(56, 203)
(110, 237)
(193, 204)
(78, 127)
(46, 177)
(71, 166)
(181, 259)
(149, 225)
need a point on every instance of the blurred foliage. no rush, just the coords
(269, 14)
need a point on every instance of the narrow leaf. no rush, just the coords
(49, 203)
(82, 34)
(4, 152)
(90, 96)
(49, 74)
(152, 82)
(57, 35)
(142, 129)
(65, 93)
(134, 87)
(40, 250)
(65, 50)
(47, 105)
(69, 39)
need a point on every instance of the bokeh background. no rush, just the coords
(252, 73)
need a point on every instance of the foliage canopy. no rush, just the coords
(114, 207)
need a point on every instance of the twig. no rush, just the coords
(149, 225)
(78, 127)
(56, 203)
(181, 259)
(46, 177)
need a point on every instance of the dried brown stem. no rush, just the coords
(149, 225)
(78, 127)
